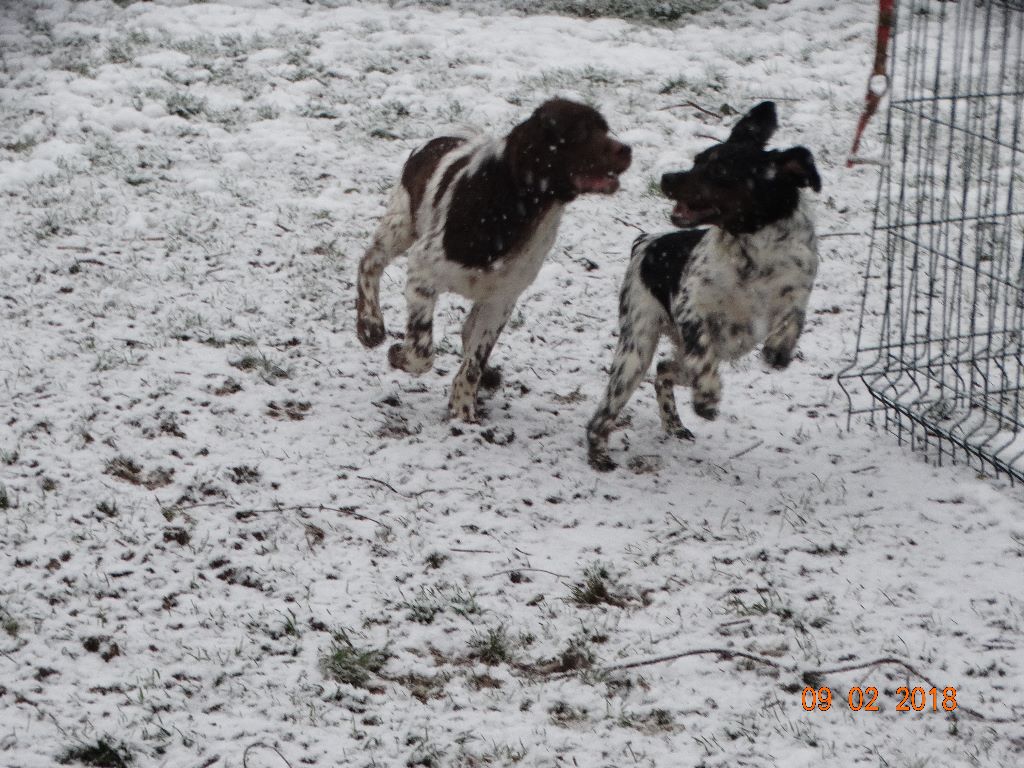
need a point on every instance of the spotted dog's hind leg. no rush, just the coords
(483, 326)
(698, 362)
(664, 383)
(393, 236)
(416, 353)
(633, 355)
(707, 387)
(779, 346)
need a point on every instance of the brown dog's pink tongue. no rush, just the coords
(600, 184)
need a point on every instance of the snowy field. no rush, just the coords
(230, 536)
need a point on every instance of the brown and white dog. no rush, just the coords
(477, 216)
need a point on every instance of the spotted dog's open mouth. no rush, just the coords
(604, 185)
(683, 215)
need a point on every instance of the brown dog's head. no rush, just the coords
(738, 185)
(563, 150)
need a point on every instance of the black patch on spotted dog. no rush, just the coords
(665, 259)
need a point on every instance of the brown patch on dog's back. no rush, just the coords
(561, 151)
(421, 166)
(449, 174)
(491, 215)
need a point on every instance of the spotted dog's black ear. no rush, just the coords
(757, 126)
(798, 164)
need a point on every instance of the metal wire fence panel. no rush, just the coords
(939, 348)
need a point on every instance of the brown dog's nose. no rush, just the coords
(624, 153)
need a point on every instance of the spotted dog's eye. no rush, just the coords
(719, 173)
(704, 157)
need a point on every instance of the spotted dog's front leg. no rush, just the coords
(664, 384)
(779, 346)
(483, 326)
(699, 364)
(416, 353)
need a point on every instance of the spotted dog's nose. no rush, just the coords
(673, 183)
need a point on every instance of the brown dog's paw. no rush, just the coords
(490, 378)
(600, 460)
(464, 412)
(396, 356)
(400, 358)
(370, 331)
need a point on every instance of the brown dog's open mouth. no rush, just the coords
(685, 216)
(604, 185)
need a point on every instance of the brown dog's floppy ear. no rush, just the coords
(798, 163)
(757, 126)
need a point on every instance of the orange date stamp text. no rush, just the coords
(866, 699)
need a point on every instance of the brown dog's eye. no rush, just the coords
(579, 134)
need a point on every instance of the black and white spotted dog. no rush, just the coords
(477, 216)
(716, 292)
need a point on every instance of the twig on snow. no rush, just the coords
(841, 234)
(629, 224)
(390, 487)
(854, 160)
(348, 511)
(745, 451)
(185, 507)
(726, 653)
(523, 570)
(245, 755)
(694, 105)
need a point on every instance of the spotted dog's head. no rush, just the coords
(563, 149)
(738, 185)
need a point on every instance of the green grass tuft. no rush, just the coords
(346, 663)
(492, 647)
(103, 754)
(596, 588)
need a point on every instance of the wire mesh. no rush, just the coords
(939, 346)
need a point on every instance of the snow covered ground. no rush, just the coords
(230, 536)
